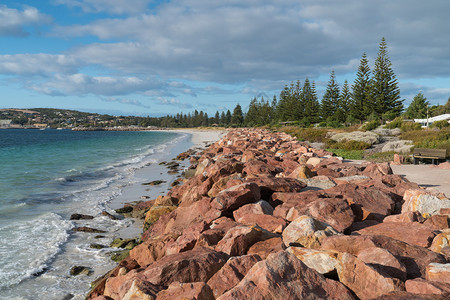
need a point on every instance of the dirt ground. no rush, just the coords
(426, 176)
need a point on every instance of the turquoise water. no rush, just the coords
(46, 175)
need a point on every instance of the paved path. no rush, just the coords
(426, 176)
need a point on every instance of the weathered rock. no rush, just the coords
(264, 248)
(80, 270)
(268, 186)
(401, 146)
(422, 286)
(359, 136)
(232, 273)
(408, 217)
(351, 179)
(302, 172)
(224, 183)
(283, 276)
(261, 208)
(142, 290)
(88, 229)
(314, 161)
(365, 281)
(81, 217)
(384, 262)
(438, 222)
(194, 290)
(307, 232)
(238, 239)
(425, 202)
(106, 214)
(124, 210)
(267, 222)
(415, 258)
(182, 267)
(323, 261)
(375, 170)
(152, 249)
(155, 213)
(411, 233)
(218, 228)
(441, 241)
(318, 183)
(438, 272)
(236, 196)
(403, 295)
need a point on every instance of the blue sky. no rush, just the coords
(145, 57)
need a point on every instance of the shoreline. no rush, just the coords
(136, 192)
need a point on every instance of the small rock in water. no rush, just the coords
(88, 229)
(80, 217)
(120, 255)
(106, 214)
(145, 197)
(96, 246)
(154, 182)
(78, 270)
(124, 210)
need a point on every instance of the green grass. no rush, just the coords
(429, 138)
(348, 154)
(306, 134)
(381, 157)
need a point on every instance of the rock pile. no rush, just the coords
(264, 216)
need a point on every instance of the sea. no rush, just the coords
(48, 175)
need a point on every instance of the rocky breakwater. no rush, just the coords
(264, 216)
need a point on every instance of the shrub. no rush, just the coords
(347, 154)
(306, 134)
(381, 157)
(371, 125)
(396, 123)
(439, 139)
(440, 124)
(348, 145)
(409, 126)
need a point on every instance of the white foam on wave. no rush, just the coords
(31, 246)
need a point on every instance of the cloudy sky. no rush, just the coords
(148, 57)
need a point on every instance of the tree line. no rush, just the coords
(374, 95)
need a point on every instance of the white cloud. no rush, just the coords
(173, 102)
(118, 7)
(37, 64)
(12, 20)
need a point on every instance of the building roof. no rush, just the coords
(434, 119)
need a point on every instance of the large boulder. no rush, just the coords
(438, 272)
(283, 276)
(236, 196)
(193, 290)
(307, 232)
(426, 202)
(266, 247)
(413, 257)
(365, 281)
(359, 136)
(323, 261)
(422, 286)
(232, 273)
(259, 208)
(383, 261)
(401, 146)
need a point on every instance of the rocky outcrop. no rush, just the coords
(260, 215)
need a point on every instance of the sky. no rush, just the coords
(147, 57)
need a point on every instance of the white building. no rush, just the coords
(430, 121)
(5, 123)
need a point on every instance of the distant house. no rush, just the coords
(5, 123)
(430, 121)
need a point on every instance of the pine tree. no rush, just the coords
(228, 118)
(217, 118)
(384, 90)
(344, 104)
(310, 103)
(330, 99)
(360, 107)
(418, 107)
(237, 118)
(223, 119)
(252, 116)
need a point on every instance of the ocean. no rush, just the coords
(47, 175)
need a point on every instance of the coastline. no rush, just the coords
(197, 139)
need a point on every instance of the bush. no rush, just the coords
(347, 154)
(440, 124)
(396, 123)
(306, 134)
(409, 126)
(439, 139)
(348, 145)
(381, 157)
(371, 125)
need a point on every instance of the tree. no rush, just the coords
(360, 106)
(343, 103)
(310, 103)
(252, 116)
(228, 118)
(418, 107)
(237, 118)
(330, 99)
(384, 89)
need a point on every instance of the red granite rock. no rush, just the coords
(422, 286)
(375, 170)
(383, 261)
(438, 222)
(232, 273)
(408, 217)
(264, 248)
(413, 257)
(260, 208)
(192, 290)
(411, 233)
(365, 281)
(152, 249)
(267, 222)
(240, 238)
(283, 276)
(236, 196)
(438, 272)
(410, 296)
